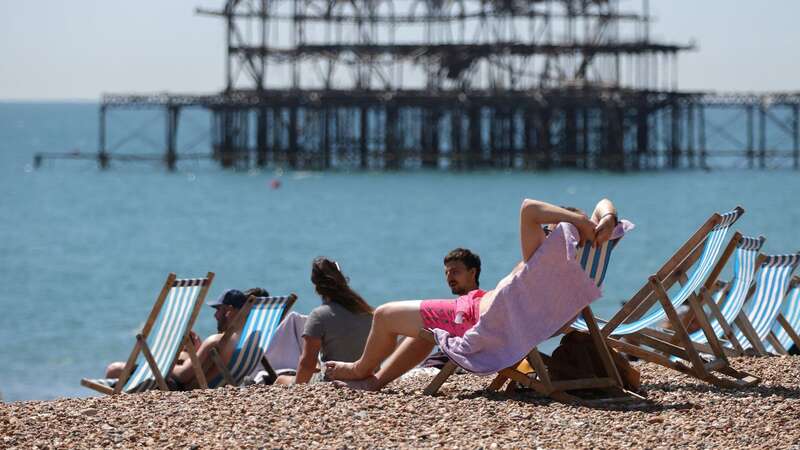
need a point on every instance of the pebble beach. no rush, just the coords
(679, 412)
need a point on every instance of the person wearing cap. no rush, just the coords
(226, 308)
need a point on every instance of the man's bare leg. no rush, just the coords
(408, 355)
(388, 322)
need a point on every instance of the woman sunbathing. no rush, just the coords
(406, 318)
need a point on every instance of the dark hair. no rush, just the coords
(332, 286)
(257, 291)
(470, 260)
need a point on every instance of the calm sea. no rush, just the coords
(83, 253)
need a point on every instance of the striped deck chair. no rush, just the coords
(595, 262)
(638, 319)
(159, 344)
(756, 320)
(725, 310)
(787, 327)
(258, 319)
(718, 305)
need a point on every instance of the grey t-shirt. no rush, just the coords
(343, 333)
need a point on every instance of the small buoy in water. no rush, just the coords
(275, 183)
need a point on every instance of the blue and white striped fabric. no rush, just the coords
(263, 320)
(595, 262)
(744, 269)
(711, 250)
(772, 283)
(167, 334)
(791, 312)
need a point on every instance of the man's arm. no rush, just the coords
(534, 213)
(307, 364)
(184, 371)
(605, 216)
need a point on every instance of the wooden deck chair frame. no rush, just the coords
(794, 335)
(141, 338)
(680, 345)
(541, 380)
(238, 322)
(757, 347)
(704, 359)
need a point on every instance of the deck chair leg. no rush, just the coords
(222, 367)
(440, 378)
(789, 330)
(776, 344)
(602, 347)
(694, 358)
(711, 336)
(98, 387)
(268, 367)
(497, 382)
(162, 384)
(750, 333)
(197, 368)
(726, 327)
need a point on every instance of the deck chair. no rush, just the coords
(261, 317)
(595, 262)
(165, 332)
(755, 322)
(787, 327)
(720, 304)
(638, 318)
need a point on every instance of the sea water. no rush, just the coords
(84, 252)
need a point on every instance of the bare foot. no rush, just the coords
(336, 370)
(369, 384)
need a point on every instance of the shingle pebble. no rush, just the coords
(681, 412)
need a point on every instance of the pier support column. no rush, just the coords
(642, 137)
(762, 125)
(262, 149)
(102, 152)
(473, 153)
(750, 138)
(702, 136)
(171, 156)
(796, 135)
(391, 153)
(363, 138)
(456, 129)
(293, 150)
(431, 116)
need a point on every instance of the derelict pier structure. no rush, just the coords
(463, 84)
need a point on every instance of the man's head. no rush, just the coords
(227, 306)
(462, 268)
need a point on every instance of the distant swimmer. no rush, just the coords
(275, 183)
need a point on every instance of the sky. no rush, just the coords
(79, 49)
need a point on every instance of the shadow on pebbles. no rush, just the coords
(680, 412)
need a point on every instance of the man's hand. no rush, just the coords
(604, 229)
(195, 339)
(586, 229)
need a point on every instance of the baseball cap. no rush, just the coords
(232, 297)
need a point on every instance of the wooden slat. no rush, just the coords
(750, 333)
(162, 384)
(440, 378)
(789, 330)
(98, 387)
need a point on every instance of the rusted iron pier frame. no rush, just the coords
(578, 128)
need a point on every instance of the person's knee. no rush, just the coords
(114, 369)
